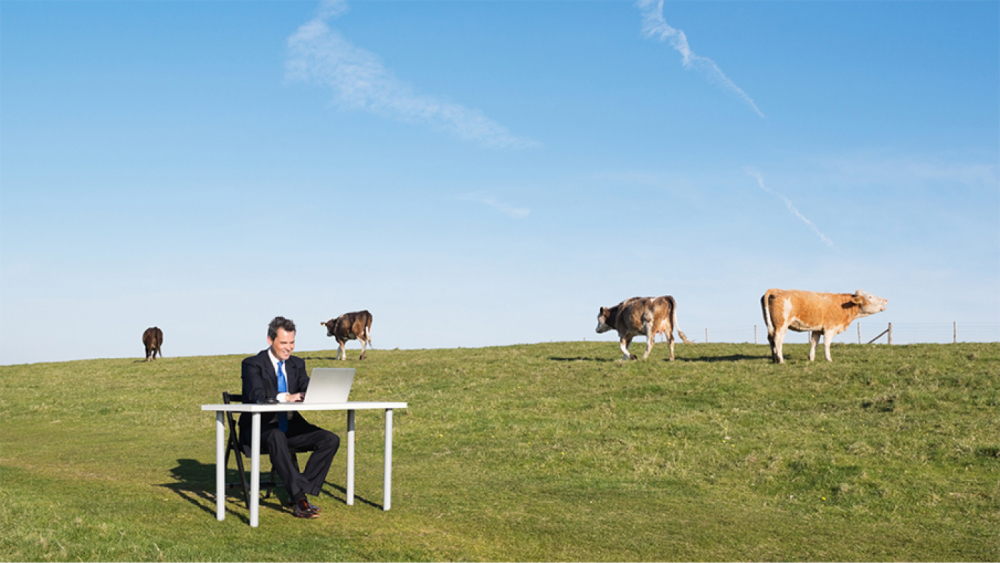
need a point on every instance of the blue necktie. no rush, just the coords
(282, 388)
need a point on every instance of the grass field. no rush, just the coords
(534, 452)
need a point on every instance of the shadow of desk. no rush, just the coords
(257, 410)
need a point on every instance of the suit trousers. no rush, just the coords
(304, 438)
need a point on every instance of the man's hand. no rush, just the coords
(294, 397)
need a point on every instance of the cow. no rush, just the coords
(152, 339)
(826, 314)
(350, 326)
(641, 316)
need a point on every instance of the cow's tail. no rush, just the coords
(647, 322)
(764, 301)
(673, 321)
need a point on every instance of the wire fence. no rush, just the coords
(863, 333)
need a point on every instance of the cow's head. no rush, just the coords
(868, 303)
(605, 318)
(329, 326)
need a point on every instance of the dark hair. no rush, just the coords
(279, 322)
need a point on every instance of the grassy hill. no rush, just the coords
(534, 452)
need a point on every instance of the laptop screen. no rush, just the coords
(329, 385)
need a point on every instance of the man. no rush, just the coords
(275, 375)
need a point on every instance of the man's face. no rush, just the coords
(283, 344)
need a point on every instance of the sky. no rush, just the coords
(480, 173)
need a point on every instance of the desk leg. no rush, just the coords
(220, 466)
(350, 457)
(255, 470)
(387, 476)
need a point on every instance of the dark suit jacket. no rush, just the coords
(260, 382)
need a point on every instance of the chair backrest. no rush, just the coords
(234, 431)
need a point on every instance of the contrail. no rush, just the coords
(655, 27)
(512, 212)
(788, 202)
(359, 81)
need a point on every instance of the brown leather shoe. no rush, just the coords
(302, 510)
(312, 506)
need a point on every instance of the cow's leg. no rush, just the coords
(779, 339)
(364, 346)
(670, 341)
(813, 341)
(625, 342)
(341, 351)
(827, 338)
(650, 340)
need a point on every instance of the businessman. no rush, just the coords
(275, 375)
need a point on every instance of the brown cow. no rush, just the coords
(152, 339)
(826, 314)
(645, 316)
(350, 326)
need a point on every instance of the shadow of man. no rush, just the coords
(193, 481)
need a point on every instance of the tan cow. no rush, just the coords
(641, 316)
(826, 314)
(350, 326)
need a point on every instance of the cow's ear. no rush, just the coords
(858, 297)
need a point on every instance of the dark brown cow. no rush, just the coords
(820, 314)
(152, 339)
(641, 316)
(350, 326)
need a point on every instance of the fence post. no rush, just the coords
(890, 334)
(859, 333)
(755, 334)
(706, 336)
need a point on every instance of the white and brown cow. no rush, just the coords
(350, 326)
(821, 314)
(641, 316)
(152, 339)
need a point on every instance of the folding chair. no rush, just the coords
(235, 446)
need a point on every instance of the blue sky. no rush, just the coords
(485, 173)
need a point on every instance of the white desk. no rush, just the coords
(255, 410)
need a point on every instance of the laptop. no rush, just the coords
(329, 385)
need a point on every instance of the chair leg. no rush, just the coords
(268, 486)
(233, 445)
(243, 475)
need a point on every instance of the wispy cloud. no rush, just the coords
(359, 81)
(760, 181)
(875, 168)
(655, 27)
(484, 198)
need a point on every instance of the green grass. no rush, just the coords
(535, 452)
